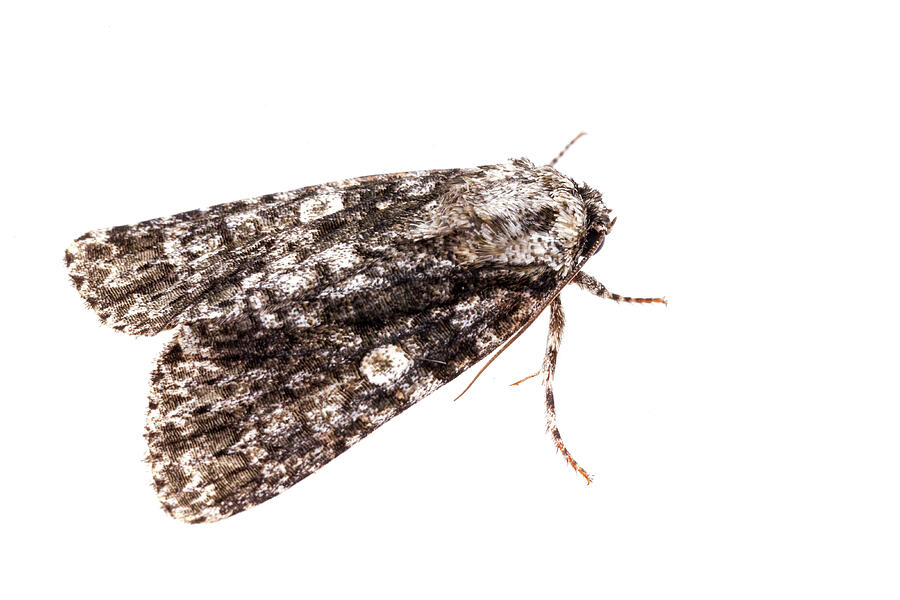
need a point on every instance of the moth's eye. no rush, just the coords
(592, 237)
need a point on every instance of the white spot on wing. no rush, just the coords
(340, 256)
(384, 364)
(321, 205)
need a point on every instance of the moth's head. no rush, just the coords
(596, 220)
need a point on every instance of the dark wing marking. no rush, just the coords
(148, 277)
(243, 408)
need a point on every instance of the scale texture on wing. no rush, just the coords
(305, 321)
(242, 408)
(148, 277)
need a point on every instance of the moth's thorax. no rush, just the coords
(513, 214)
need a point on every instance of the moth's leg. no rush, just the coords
(590, 284)
(554, 337)
(524, 379)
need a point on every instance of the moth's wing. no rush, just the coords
(244, 406)
(302, 329)
(148, 277)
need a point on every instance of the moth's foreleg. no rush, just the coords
(554, 337)
(585, 281)
(524, 379)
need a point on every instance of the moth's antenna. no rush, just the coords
(569, 145)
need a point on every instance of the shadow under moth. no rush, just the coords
(305, 319)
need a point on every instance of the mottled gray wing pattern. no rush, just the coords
(242, 408)
(147, 277)
(303, 323)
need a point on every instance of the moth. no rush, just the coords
(305, 319)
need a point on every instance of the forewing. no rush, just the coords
(148, 277)
(244, 407)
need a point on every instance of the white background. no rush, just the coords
(744, 440)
